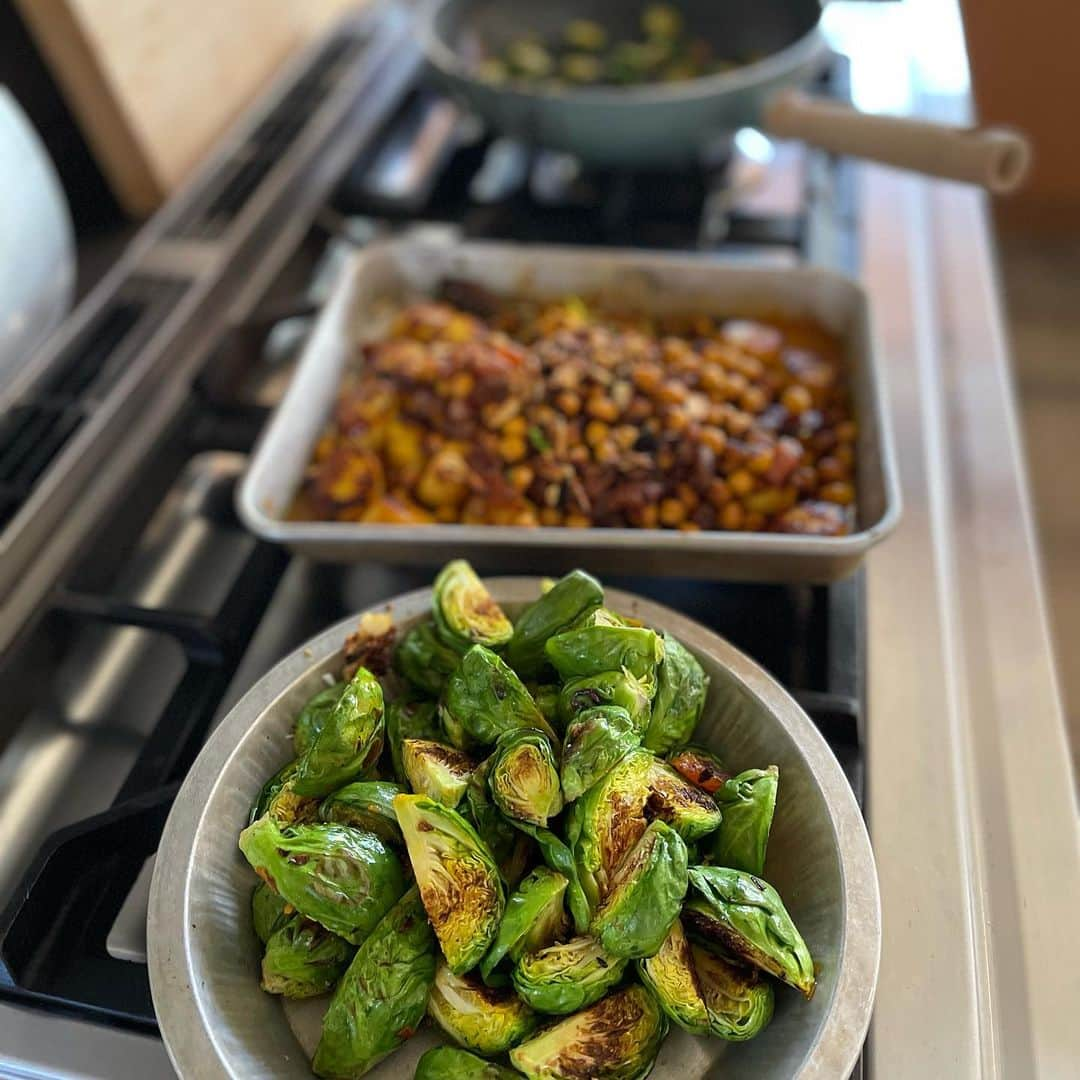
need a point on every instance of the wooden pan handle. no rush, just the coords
(996, 158)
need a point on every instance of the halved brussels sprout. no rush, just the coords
(269, 911)
(458, 879)
(524, 777)
(344, 879)
(365, 804)
(313, 717)
(747, 801)
(566, 977)
(618, 688)
(602, 616)
(738, 1000)
(681, 687)
(700, 766)
(465, 613)
(424, 659)
(440, 772)
(271, 789)
(381, 999)
(745, 915)
(508, 846)
(646, 895)
(557, 610)
(350, 740)
(607, 821)
(595, 741)
(409, 720)
(686, 808)
(484, 698)
(546, 696)
(481, 1018)
(534, 918)
(594, 649)
(671, 976)
(558, 857)
(303, 959)
(450, 1063)
(618, 1038)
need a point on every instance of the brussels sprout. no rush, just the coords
(607, 821)
(303, 959)
(509, 847)
(484, 1019)
(313, 717)
(409, 720)
(450, 1063)
(672, 978)
(595, 741)
(524, 777)
(661, 21)
(484, 698)
(558, 857)
(534, 918)
(267, 911)
(270, 790)
(528, 57)
(618, 1038)
(700, 766)
(607, 688)
(349, 742)
(602, 616)
(738, 1000)
(746, 916)
(458, 879)
(681, 686)
(747, 801)
(288, 808)
(424, 660)
(646, 895)
(562, 979)
(546, 696)
(465, 614)
(585, 34)
(365, 804)
(344, 879)
(687, 809)
(594, 649)
(438, 771)
(557, 610)
(381, 999)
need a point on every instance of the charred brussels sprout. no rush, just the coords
(365, 804)
(508, 846)
(267, 911)
(607, 821)
(681, 686)
(557, 610)
(349, 742)
(618, 1038)
(440, 772)
(534, 918)
(313, 717)
(562, 979)
(738, 1000)
(381, 999)
(700, 766)
(747, 801)
(594, 649)
(450, 1063)
(618, 688)
(745, 915)
(481, 1018)
(303, 959)
(671, 976)
(594, 742)
(484, 698)
(524, 778)
(424, 660)
(344, 879)
(271, 789)
(458, 879)
(646, 895)
(409, 720)
(687, 809)
(465, 613)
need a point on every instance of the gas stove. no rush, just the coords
(136, 609)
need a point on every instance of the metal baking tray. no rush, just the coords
(379, 279)
(203, 954)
